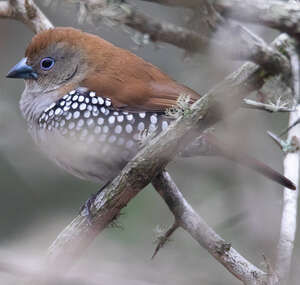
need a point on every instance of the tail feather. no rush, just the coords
(215, 147)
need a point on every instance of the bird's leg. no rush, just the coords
(86, 207)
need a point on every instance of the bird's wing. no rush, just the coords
(136, 85)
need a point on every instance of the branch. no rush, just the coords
(279, 15)
(290, 198)
(27, 12)
(238, 43)
(139, 172)
(189, 220)
(75, 238)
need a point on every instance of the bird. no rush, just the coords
(87, 102)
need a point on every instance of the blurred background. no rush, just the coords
(38, 199)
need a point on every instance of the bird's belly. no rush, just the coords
(86, 136)
(95, 160)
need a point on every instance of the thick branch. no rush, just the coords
(188, 219)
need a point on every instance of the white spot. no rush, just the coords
(89, 107)
(82, 106)
(90, 122)
(51, 113)
(100, 121)
(49, 127)
(141, 126)
(92, 94)
(118, 129)
(164, 125)
(66, 109)
(76, 115)
(129, 117)
(75, 105)
(125, 112)
(112, 139)
(43, 116)
(81, 99)
(62, 103)
(46, 117)
(95, 111)
(116, 113)
(94, 101)
(69, 116)
(105, 129)
(130, 144)
(97, 130)
(58, 111)
(80, 123)
(142, 115)
(72, 92)
(68, 103)
(111, 119)
(100, 100)
(87, 100)
(103, 110)
(107, 102)
(120, 118)
(153, 119)
(87, 114)
(75, 98)
(66, 96)
(71, 125)
(128, 128)
(62, 123)
(152, 128)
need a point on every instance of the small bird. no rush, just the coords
(86, 103)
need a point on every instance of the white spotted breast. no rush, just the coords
(88, 137)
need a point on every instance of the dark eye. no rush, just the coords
(47, 63)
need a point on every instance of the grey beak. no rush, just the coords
(22, 70)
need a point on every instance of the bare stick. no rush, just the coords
(270, 107)
(188, 219)
(27, 12)
(290, 198)
(275, 14)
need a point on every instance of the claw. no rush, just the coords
(85, 209)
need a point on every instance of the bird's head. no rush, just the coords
(58, 58)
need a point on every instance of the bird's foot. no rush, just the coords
(85, 209)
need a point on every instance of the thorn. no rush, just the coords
(162, 239)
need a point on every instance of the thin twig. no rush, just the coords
(271, 107)
(163, 239)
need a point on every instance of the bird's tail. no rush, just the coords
(208, 144)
